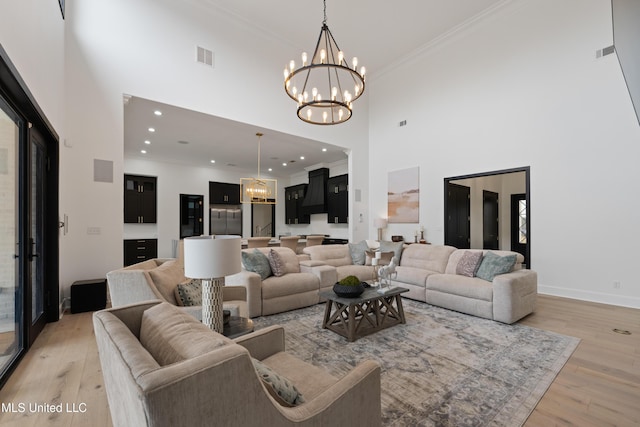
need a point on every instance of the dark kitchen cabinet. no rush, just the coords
(140, 197)
(224, 193)
(294, 196)
(138, 250)
(338, 199)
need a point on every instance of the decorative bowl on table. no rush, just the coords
(348, 291)
(397, 238)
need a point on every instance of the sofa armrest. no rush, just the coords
(264, 342)
(327, 274)
(253, 284)
(234, 293)
(360, 388)
(514, 295)
(129, 286)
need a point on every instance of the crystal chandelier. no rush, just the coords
(258, 190)
(326, 86)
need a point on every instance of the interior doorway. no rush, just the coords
(263, 220)
(490, 220)
(505, 183)
(458, 213)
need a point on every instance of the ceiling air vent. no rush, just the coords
(204, 56)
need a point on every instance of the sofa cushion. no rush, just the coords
(287, 256)
(413, 276)
(166, 277)
(469, 287)
(280, 388)
(171, 335)
(395, 247)
(189, 293)
(362, 272)
(334, 255)
(469, 263)
(357, 252)
(256, 262)
(427, 257)
(289, 284)
(493, 264)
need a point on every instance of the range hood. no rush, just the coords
(315, 200)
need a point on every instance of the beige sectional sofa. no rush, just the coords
(429, 272)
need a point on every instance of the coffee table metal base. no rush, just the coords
(356, 318)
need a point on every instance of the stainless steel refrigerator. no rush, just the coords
(226, 220)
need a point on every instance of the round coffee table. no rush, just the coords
(237, 326)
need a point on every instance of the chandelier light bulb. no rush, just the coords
(354, 61)
(357, 90)
(323, 55)
(324, 116)
(362, 71)
(309, 112)
(340, 57)
(305, 96)
(319, 97)
(334, 93)
(340, 114)
(286, 73)
(292, 65)
(314, 92)
(304, 59)
(294, 91)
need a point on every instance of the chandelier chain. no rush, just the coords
(325, 12)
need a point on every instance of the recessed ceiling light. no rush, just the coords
(157, 113)
(324, 149)
(213, 161)
(270, 170)
(152, 130)
(143, 151)
(301, 157)
(284, 164)
(147, 142)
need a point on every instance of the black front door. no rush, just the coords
(458, 214)
(490, 229)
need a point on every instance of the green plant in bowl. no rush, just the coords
(350, 281)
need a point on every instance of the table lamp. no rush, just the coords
(380, 223)
(210, 258)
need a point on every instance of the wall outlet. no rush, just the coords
(93, 231)
(617, 285)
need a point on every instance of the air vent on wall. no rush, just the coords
(204, 56)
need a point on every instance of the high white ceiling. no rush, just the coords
(380, 33)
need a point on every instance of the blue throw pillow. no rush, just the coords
(357, 251)
(493, 264)
(256, 262)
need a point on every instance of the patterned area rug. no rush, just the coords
(442, 368)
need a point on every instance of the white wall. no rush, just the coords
(146, 48)
(523, 87)
(32, 34)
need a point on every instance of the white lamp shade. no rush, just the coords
(207, 257)
(380, 223)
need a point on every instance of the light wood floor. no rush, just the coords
(599, 386)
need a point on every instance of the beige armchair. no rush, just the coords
(162, 367)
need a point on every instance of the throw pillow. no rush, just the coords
(396, 247)
(278, 386)
(165, 277)
(277, 264)
(493, 264)
(357, 251)
(385, 257)
(469, 263)
(189, 293)
(256, 262)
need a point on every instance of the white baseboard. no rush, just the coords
(599, 297)
(64, 304)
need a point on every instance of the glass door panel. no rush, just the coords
(10, 296)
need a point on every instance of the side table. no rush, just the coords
(237, 326)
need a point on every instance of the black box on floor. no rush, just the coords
(88, 295)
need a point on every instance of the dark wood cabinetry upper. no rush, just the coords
(294, 196)
(138, 250)
(140, 197)
(224, 193)
(338, 199)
